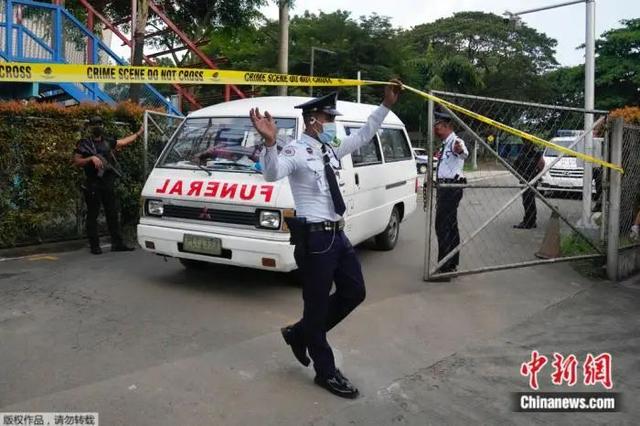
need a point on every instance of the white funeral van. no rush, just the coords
(223, 211)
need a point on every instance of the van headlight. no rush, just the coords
(269, 219)
(155, 207)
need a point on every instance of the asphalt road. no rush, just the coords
(142, 341)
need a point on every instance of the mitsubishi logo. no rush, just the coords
(205, 214)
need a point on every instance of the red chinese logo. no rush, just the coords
(598, 370)
(532, 368)
(565, 369)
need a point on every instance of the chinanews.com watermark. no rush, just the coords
(595, 371)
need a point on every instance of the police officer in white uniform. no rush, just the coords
(450, 165)
(323, 253)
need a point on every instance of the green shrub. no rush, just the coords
(40, 191)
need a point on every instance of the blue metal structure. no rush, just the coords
(18, 44)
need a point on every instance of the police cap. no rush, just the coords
(326, 104)
(441, 117)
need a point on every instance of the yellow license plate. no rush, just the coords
(202, 245)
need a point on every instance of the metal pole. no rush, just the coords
(524, 12)
(427, 193)
(589, 78)
(145, 123)
(359, 88)
(474, 156)
(313, 49)
(283, 54)
(615, 180)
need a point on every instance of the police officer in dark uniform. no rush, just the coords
(449, 171)
(528, 164)
(323, 252)
(95, 155)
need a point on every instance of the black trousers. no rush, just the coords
(329, 257)
(529, 205)
(447, 202)
(94, 196)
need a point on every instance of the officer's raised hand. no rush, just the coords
(264, 125)
(392, 93)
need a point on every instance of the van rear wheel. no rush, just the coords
(194, 265)
(387, 239)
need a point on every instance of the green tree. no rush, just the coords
(618, 66)
(508, 61)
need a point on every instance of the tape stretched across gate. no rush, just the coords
(76, 73)
(515, 132)
(80, 73)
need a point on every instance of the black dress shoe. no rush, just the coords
(523, 225)
(96, 250)
(299, 349)
(338, 385)
(122, 247)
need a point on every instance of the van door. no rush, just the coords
(368, 189)
(399, 171)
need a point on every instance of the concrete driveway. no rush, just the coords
(142, 341)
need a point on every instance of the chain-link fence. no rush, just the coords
(158, 129)
(519, 203)
(630, 187)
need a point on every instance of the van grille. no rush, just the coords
(211, 215)
(566, 173)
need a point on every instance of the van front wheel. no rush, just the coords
(389, 237)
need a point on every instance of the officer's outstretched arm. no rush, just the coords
(121, 143)
(276, 167)
(361, 137)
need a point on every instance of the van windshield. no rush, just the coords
(222, 143)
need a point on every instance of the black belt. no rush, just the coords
(327, 225)
(456, 180)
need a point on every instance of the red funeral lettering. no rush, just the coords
(243, 193)
(228, 189)
(195, 188)
(212, 189)
(163, 190)
(267, 191)
(177, 188)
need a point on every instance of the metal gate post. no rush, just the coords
(615, 181)
(146, 143)
(428, 193)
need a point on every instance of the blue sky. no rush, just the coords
(565, 24)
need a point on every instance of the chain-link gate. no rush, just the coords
(504, 178)
(158, 130)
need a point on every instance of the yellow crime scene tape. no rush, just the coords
(515, 131)
(82, 73)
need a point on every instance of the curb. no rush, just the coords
(57, 247)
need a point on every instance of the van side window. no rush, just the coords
(394, 145)
(366, 155)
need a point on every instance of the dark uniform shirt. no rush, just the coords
(527, 161)
(89, 147)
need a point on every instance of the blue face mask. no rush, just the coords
(329, 132)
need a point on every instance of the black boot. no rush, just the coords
(338, 385)
(298, 347)
(96, 250)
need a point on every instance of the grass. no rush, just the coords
(575, 245)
